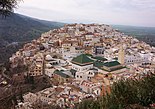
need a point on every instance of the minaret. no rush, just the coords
(60, 42)
(121, 55)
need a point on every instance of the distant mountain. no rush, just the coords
(20, 28)
(17, 28)
(146, 34)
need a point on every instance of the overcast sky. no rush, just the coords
(122, 12)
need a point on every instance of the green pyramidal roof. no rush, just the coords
(111, 64)
(82, 60)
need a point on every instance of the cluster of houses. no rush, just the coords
(84, 60)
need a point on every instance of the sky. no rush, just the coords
(119, 12)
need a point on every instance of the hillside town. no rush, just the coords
(81, 61)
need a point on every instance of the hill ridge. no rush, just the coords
(20, 28)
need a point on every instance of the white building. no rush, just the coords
(81, 63)
(140, 58)
(85, 75)
(90, 87)
(49, 72)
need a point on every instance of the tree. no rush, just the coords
(7, 6)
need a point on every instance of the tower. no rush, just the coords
(121, 55)
(60, 42)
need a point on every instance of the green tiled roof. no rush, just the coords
(98, 64)
(60, 73)
(82, 60)
(114, 69)
(100, 58)
(111, 64)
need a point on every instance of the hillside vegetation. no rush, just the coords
(146, 34)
